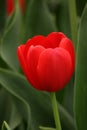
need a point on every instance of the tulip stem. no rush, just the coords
(55, 111)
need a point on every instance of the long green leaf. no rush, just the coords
(10, 84)
(38, 19)
(2, 15)
(8, 110)
(81, 75)
(62, 17)
(39, 102)
(5, 126)
(4, 105)
(11, 40)
(46, 128)
(15, 118)
(80, 6)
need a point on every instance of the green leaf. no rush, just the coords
(22, 126)
(39, 102)
(67, 121)
(19, 87)
(80, 6)
(3, 105)
(3, 64)
(7, 106)
(5, 126)
(81, 75)
(15, 117)
(38, 19)
(46, 128)
(11, 40)
(68, 96)
(2, 15)
(62, 18)
(11, 85)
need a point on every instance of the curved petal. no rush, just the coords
(32, 60)
(22, 59)
(54, 68)
(54, 39)
(68, 62)
(68, 45)
(9, 6)
(36, 40)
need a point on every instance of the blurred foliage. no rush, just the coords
(2, 15)
(81, 71)
(22, 107)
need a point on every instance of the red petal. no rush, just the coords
(68, 45)
(54, 39)
(9, 6)
(37, 40)
(54, 68)
(22, 59)
(32, 60)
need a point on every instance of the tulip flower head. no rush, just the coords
(10, 4)
(48, 62)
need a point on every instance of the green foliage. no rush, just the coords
(28, 99)
(46, 128)
(5, 126)
(40, 20)
(21, 106)
(2, 15)
(81, 75)
(10, 40)
(62, 17)
(80, 6)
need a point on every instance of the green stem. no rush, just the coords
(55, 111)
(73, 20)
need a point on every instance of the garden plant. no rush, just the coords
(43, 65)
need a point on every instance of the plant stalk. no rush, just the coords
(55, 111)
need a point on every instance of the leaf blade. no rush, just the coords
(5, 126)
(41, 115)
(11, 39)
(80, 97)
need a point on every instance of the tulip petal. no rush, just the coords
(22, 59)
(54, 68)
(48, 62)
(9, 6)
(36, 40)
(54, 39)
(32, 60)
(68, 45)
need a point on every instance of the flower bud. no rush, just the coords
(48, 62)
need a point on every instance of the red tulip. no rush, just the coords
(10, 6)
(48, 62)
